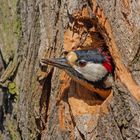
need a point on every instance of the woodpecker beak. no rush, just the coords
(56, 62)
(62, 63)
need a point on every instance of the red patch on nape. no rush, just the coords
(108, 66)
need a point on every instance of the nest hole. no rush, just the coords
(73, 40)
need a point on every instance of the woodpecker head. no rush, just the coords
(88, 65)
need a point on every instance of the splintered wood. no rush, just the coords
(82, 33)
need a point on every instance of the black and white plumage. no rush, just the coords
(93, 65)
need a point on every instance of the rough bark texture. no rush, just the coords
(47, 103)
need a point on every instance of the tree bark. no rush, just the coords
(48, 104)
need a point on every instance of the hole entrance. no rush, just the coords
(74, 38)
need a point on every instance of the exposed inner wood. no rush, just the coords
(80, 100)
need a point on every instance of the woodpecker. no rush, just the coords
(89, 65)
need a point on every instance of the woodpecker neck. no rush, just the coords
(108, 66)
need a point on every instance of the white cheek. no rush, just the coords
(92, 72)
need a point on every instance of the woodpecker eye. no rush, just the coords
(82, 63)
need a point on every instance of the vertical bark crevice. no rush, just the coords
(45, 100)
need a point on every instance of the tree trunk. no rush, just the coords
(44, 102)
